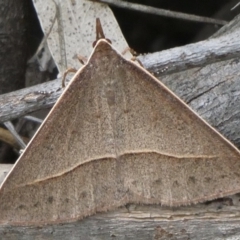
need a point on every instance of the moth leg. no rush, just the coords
(72, 70)
(135, 59)
(134, 53)
(82, 59)
(128, 49)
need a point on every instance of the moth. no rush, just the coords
(117, 135)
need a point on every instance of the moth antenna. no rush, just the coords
(82, 59)
(99, 32)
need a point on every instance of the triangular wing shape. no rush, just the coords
(117, 135)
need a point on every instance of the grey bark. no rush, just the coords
(13, 52)
(217, 221)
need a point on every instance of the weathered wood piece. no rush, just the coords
(200, 222)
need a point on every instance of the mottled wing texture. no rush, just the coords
(116, 136)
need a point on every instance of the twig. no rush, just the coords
(161, 12)
(11, 129)
(235, 6)
(193, 55)
(7, 137)
(21, 102)
(33, 119)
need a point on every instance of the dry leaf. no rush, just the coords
(73, 24)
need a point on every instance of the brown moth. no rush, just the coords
(117, 135)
